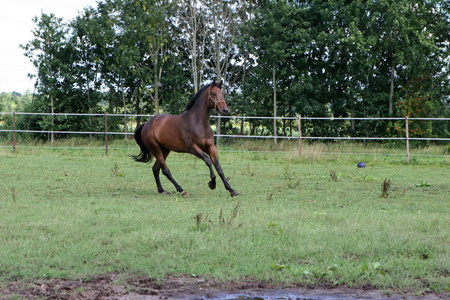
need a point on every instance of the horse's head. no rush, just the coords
(216, 98)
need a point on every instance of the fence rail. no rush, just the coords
(299, 119)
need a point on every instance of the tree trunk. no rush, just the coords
(157, 80)
(274, 106)
(243, 90)
(194, 53)
(138, 112)
(124, 111)
(156, 99)
(391, 91)
(217, 62)
(90, 109)
(52, 135)
(352, 116)
(352, 112)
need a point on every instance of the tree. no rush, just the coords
(189, 32)
(273, 38)
(155, 30)
(344, 58)
(415, 103)
(278, 58)
(46, 51)
(86, 64)
(14, 101)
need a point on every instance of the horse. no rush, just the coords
(188, 132)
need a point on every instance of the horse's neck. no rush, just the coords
(200, 113)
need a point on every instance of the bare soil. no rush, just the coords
(115, 286)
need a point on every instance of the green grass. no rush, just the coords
(298, 219)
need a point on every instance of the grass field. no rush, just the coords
(309, 219)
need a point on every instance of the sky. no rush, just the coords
(15, 28)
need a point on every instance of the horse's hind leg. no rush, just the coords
(156, 168)
(166, 172)
(161, 164)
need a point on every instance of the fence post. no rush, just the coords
(14, 131)
(407, 139)
(106, 133)
(299, 134)
(218, 131)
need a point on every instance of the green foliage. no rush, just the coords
(323, 58)
(415, 103)
(341, 59)
(10, 102)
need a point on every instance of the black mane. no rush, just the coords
(197, 96)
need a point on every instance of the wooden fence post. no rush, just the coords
(218, 130)
(14, 131)
(299, 134)
(407, 139)
(106, 133)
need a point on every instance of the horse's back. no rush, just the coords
(167, 131)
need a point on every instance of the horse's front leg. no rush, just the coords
(200, 154)
(215, 160)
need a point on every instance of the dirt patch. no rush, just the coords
(115, 286)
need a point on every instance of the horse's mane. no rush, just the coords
(197, 96)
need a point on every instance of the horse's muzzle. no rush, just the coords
(224, 111)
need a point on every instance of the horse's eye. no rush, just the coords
(214, 94)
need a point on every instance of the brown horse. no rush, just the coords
(189, 132)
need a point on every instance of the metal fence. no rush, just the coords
(300, 137)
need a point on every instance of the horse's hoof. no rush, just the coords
(184, 193)
(212, 185)
(234, 193)
(165, 193)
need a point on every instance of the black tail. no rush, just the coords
(145, 156)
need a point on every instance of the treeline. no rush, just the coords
(14, 101)
(335, 58)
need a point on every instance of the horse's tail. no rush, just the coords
(145, 156)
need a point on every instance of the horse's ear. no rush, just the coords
(214, 83)
(220, 84)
